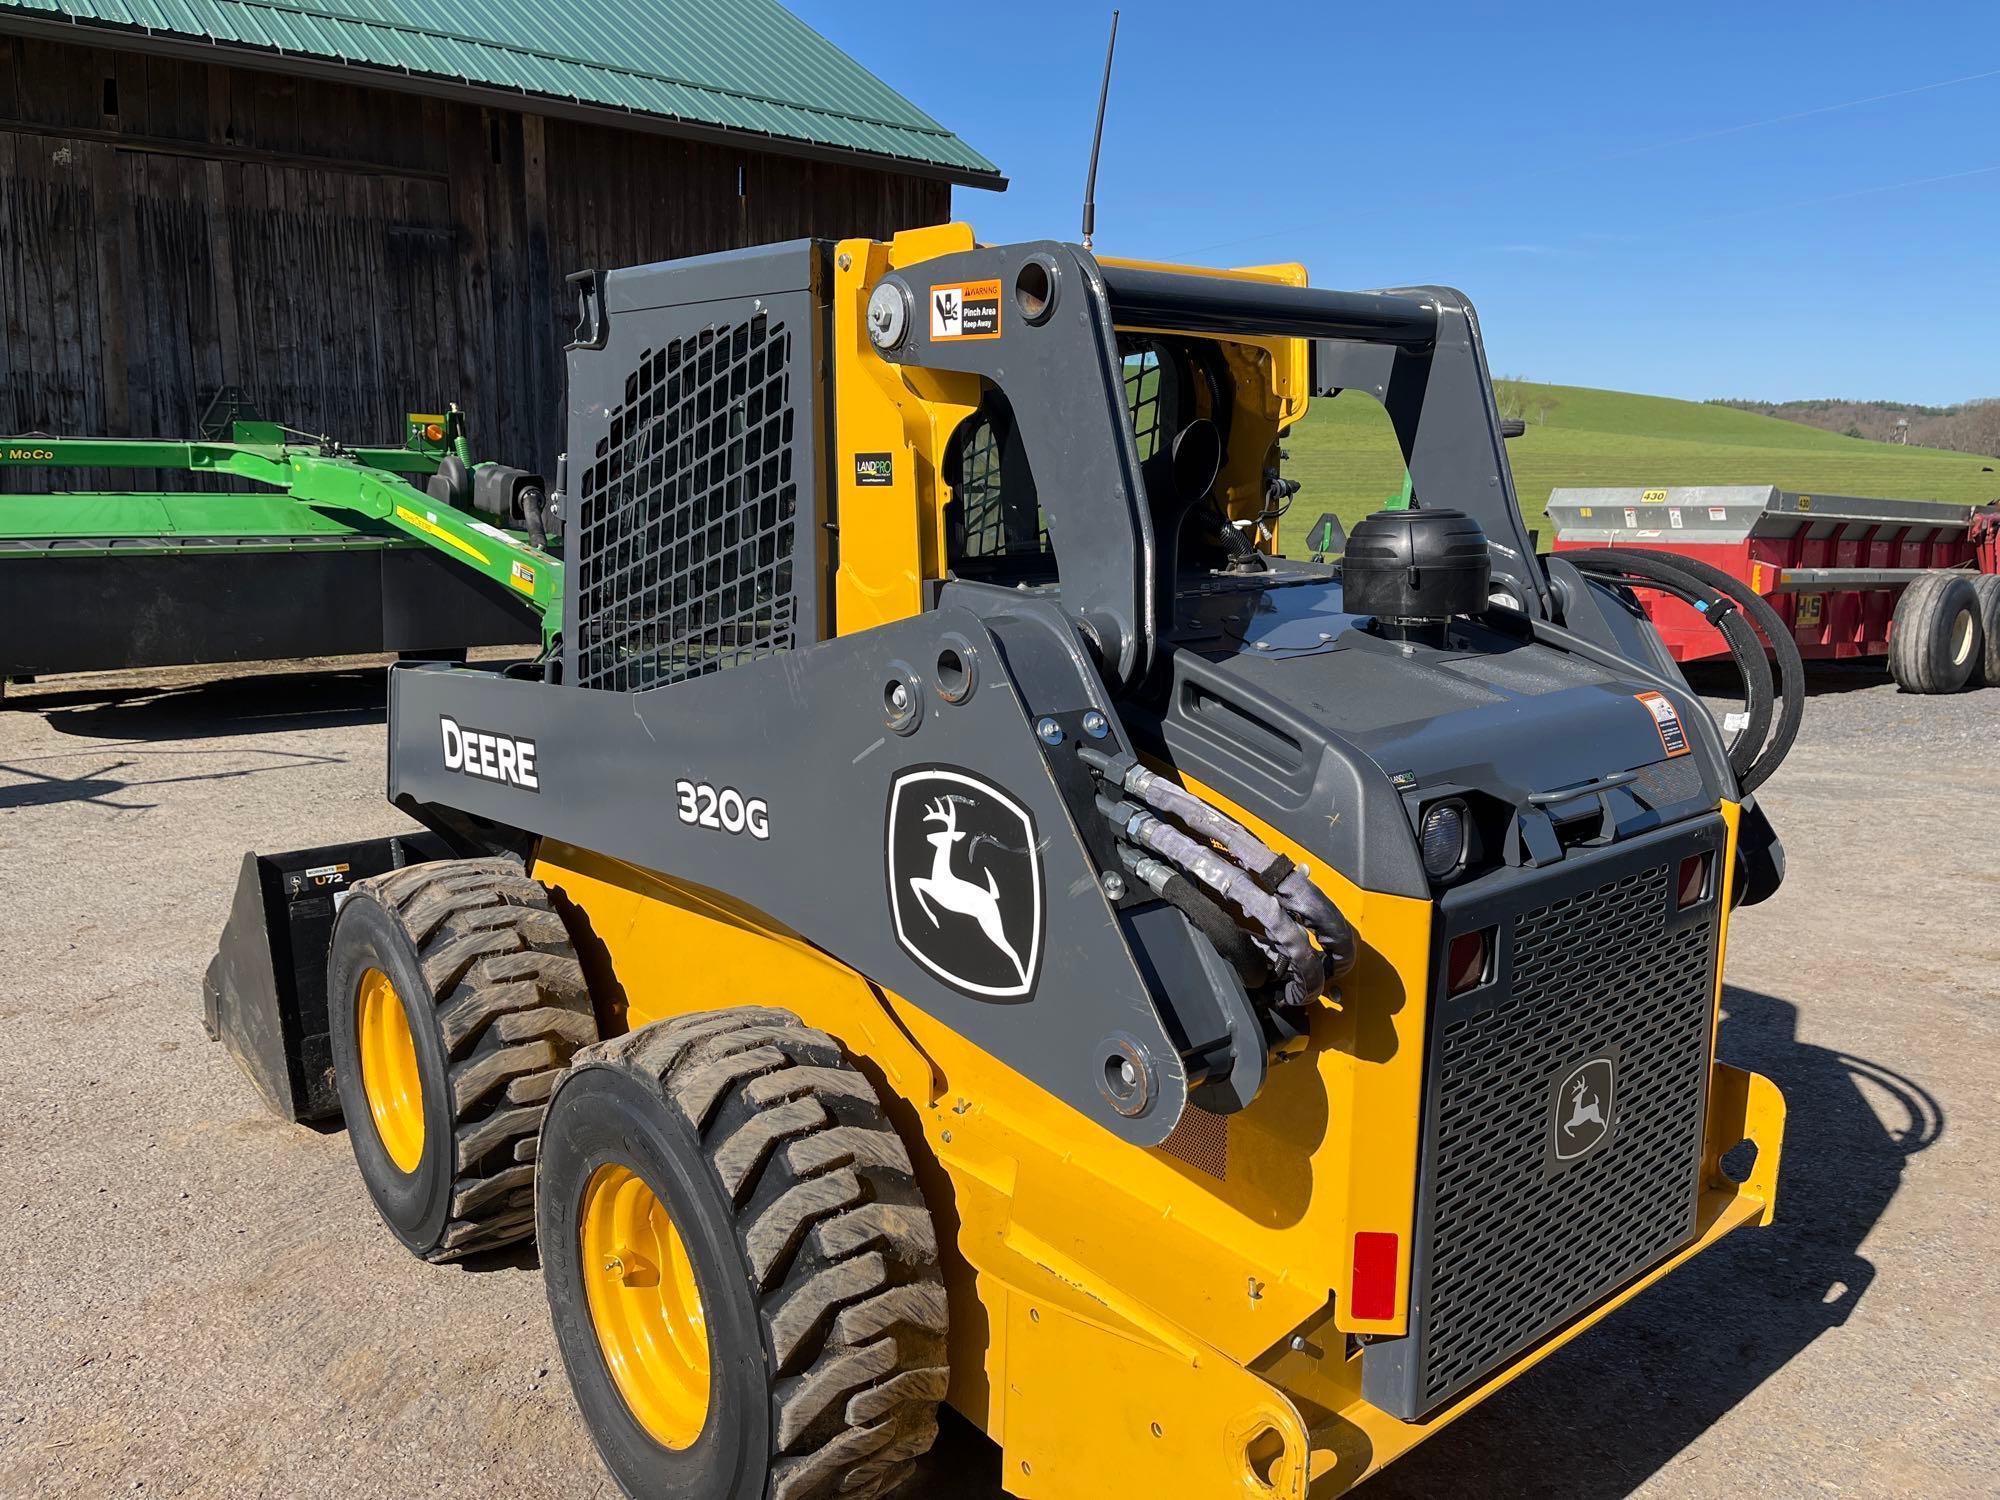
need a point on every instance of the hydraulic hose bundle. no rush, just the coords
(1757, 749)
(1211, 866)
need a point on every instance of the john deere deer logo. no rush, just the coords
(1581, 1113)
(965, 886)
(1583, 1110)
(954, 892)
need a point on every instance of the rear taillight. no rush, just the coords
(1694, 879)
(1375, 1255)
(1467, 960)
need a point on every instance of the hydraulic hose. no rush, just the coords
(1791, 666)
(1276, 935)
(1291, 884)
(1721, 611)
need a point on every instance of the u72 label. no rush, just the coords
(703, 806)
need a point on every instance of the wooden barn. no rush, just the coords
(349, 209)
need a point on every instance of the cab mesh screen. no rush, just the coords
(687, 513)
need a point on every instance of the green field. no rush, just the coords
(1346, 457)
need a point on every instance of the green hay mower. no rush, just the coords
(336, 551)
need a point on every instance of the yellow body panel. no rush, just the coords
(891, 536)
(1122, 1320)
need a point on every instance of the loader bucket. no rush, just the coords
(264, 996)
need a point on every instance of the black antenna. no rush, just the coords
(1097, 139)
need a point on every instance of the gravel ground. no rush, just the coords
(200, 1302)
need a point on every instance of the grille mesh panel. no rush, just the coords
(1519, 1246)
(687, 512)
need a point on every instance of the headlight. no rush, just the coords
(1443, 838)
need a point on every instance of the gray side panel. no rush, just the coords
(755, 272)
(805, 731)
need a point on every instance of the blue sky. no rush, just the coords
(1768, 200)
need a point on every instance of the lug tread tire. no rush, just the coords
(1987, 588)
(512, 1007)
(1920, 634)
(839, 1246)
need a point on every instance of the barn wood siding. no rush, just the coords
(344, 254)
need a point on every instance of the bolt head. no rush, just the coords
(1096, 725)
(888, 316)
(1049, 732)
(899, 696)
(1127, 1074)
(1114, 886)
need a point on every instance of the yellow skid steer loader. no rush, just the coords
(955, 916)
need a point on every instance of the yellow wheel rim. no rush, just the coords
(389, 1070)
(645, 1305)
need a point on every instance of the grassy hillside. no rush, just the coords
(1345, 454)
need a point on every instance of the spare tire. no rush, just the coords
(1935, 639)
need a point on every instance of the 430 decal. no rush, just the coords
(705, 806)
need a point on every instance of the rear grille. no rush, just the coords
(1513, 1241)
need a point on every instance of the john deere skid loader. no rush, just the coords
(953, 916)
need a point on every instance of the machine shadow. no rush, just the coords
(275, 703)
(98, 786)
(1617, 1405)
(1624, 1399)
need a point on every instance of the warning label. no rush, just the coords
(1666, 719)
(966, 310)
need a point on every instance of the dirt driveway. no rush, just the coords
(198, 1300)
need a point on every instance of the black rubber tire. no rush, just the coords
(1935, 642)
(497, 1004)
(813, 1252)
(1987, 587)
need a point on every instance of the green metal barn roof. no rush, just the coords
(741, 67)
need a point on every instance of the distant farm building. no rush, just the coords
(353, 208)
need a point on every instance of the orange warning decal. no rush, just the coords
(966, 310)
(1666, 719)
